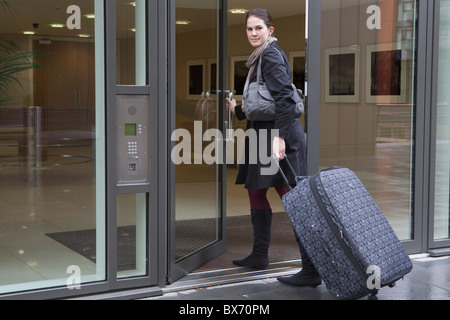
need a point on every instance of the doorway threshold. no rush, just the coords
(205, 279)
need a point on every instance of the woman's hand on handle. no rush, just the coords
(231, 104)
(279, 148)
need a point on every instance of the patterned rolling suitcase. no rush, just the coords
(347, 237)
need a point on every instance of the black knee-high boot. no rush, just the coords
(308, 275)
(259, 258)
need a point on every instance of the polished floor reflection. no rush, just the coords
(36, 202)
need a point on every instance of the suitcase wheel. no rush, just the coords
(373, 296)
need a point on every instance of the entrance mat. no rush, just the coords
(83, 242)
(192, 235)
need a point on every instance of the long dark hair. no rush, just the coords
(262, 14)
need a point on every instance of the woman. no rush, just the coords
(289, 140)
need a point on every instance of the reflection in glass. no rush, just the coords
(370, 129)
(52, 214)
(131, 235)
(131, 42)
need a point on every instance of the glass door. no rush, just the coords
(197, 228)
(440, 226)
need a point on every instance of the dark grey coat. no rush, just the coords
(277, 75)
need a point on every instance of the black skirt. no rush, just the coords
(250, 173)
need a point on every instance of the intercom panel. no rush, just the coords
(132, 148)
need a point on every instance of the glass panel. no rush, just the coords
(131, 235)
(442, 184)
(197, 183)
(131, 42)
(52, 183)
(368, 99)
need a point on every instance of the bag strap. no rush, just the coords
(259, 72)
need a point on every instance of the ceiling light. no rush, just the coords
(57, 25)
(133, 4)
(238, 11)
(133, 29)
(90, 16)
(183, 22)
(84, 35)
(28, 32)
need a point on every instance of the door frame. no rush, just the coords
(313, 78)
(176, 270)
(440, 246)
(112, 91)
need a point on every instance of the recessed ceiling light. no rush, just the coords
(133, 29)
(84, 35)
(28, 32)
(183, 22)
(238, 11)
(133, 4)
(57, 25)
(90, 16)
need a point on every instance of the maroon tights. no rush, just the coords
(258, 197)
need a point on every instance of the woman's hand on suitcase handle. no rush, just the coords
(279, 148)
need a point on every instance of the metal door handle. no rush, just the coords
(229, 121)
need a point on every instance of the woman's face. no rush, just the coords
(257, 31)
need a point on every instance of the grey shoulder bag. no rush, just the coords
(259, 104)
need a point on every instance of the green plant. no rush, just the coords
(13, 61)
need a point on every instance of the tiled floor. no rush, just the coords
(429, 280)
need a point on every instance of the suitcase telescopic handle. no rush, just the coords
(297, 178)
